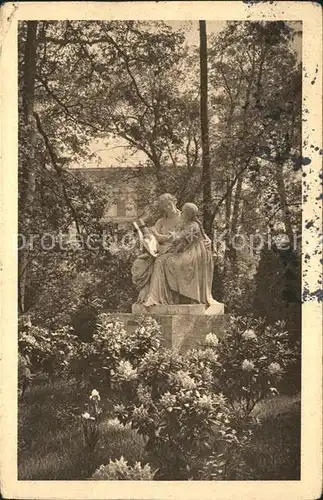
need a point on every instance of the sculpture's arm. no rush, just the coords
(161, 238)
(190, 234)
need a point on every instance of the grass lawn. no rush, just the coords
(50, 435)
(51, 445)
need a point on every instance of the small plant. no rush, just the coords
(91, 419)
(120, 470)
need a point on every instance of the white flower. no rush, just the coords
(211, 340)
(274, 369)
(140, 413)
(168, 400)
(210, 355)
(204, 402)
(87, 416)
(114, 423)
(95, 395)
(119, 408)
(28, 338)
(249, 335)
(184, 379)
(247, 366)
(126, 370)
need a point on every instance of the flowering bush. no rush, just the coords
(195, 408)
(177, 413)
(114, 349)
(120, 470)
(46, 351)
(248, 363)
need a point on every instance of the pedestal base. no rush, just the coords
(183, 326)
(179, 309)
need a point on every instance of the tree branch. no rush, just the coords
(57, 168)
(66, 107)
(126, 61)
(238, 174)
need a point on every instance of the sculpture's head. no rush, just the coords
(189, 212)
(167, 204)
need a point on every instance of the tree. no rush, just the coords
(255, 97)
(124, 81)
(206, 175)
(28, 139)
(254, 73)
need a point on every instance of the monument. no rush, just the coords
(173, 274)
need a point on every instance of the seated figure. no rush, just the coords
(181, 271)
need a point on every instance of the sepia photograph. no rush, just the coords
(161, 185)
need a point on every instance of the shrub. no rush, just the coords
(237, 283)
(248, 363)
(277, 294)
(181, 419)
(120, 470)
(194, 409)
(98, 360)
(46, 351)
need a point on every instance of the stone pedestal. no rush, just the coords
(183, 326)
(179, 309)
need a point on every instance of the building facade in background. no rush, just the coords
(125, 200)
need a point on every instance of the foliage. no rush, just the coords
(136, 82)
(255, 138)
(277, 294)
(271, 453)
(46, 351)
(248, 363)
(234, 286)
(73, 286)
(274, 452)
(180, 417)
(120, 470)
(253, 70)
(111, 344)
(194, 411)
(24, 374)
(100, 81)
(54, 448)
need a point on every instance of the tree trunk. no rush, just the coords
(283, 200)
(236, 206)
(206, 174)
(227, 237)
(28, 187)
